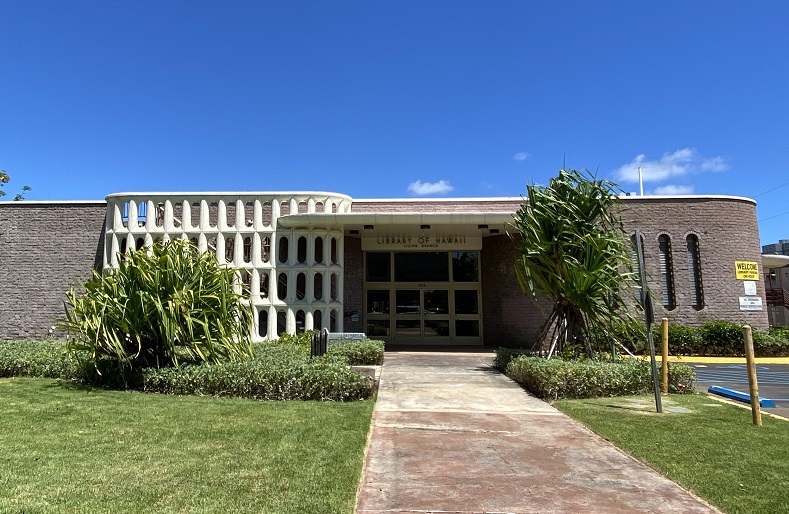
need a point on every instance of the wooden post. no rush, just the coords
(664, 363)
(753, 386)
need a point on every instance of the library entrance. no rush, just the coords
(423, 297)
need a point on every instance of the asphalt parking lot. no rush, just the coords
(773, 381)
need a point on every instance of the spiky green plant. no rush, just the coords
(572, 251)
(160, 305)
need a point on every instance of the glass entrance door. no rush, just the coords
(423, 298)
(422, 316)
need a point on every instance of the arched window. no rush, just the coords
(333, 286)
(666, 272)
(694, 273)
(264, 285)
(317, 320)
(301, 319)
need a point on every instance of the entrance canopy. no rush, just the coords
(442, 227)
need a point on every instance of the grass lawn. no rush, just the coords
(67, 448)
(713, 450)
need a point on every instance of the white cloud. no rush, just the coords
(521, 156)
(676, 164)
(673, 189)
(430, 188)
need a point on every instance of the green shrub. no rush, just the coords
(275, 373)
(37, 359)
(278, 374)
(356, 353)
(160, 305)
(683, 340)
(552, 379)
(300, 343)
(771, 344)
(505, 355)
(721, 338)
(631, 334)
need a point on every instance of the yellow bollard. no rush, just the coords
(664, 364)
(753, 386)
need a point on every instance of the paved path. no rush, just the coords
(452, 435)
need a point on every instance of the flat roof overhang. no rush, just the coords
(774, 260)
(373, 223)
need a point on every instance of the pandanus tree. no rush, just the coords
(573, 252)
(161, 304)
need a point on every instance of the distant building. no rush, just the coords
(781, 247)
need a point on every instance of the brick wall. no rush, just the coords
(509, 317)
(353, 284)
(438, 205)
(727, 231)
(45, 248)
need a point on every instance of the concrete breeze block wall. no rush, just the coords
(45, 248)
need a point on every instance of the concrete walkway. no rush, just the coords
(452, 435)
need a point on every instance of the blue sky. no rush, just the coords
(395, 99)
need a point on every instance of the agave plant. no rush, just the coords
(167, 303)
(572, 251)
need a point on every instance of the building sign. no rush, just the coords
(431, 241)
(750, 287)
(746, 270)
(750, 303)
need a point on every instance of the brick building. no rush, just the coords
(410, 271)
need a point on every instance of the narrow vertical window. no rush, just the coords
(334, 250)
(301, 286)
(333, 321)
(264, 285)
(230, 248)
(248, 249)
(317, 320)
(694, 273)
(283, 249)
(263, 323)
(319, 249)
(281, 323)
(636, 266)
(282, 286)
(265, 249)
(142, 215)
(666, 272)
(301, 320)
(333, 286)
(301, 250)
(317, 286)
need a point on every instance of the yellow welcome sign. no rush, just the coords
(746, 270)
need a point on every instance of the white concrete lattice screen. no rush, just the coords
(294, 275)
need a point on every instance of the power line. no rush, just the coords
(770, 191)
(776, 216)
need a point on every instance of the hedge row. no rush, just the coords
(714, 338)
(552, 379)
(277, 372)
